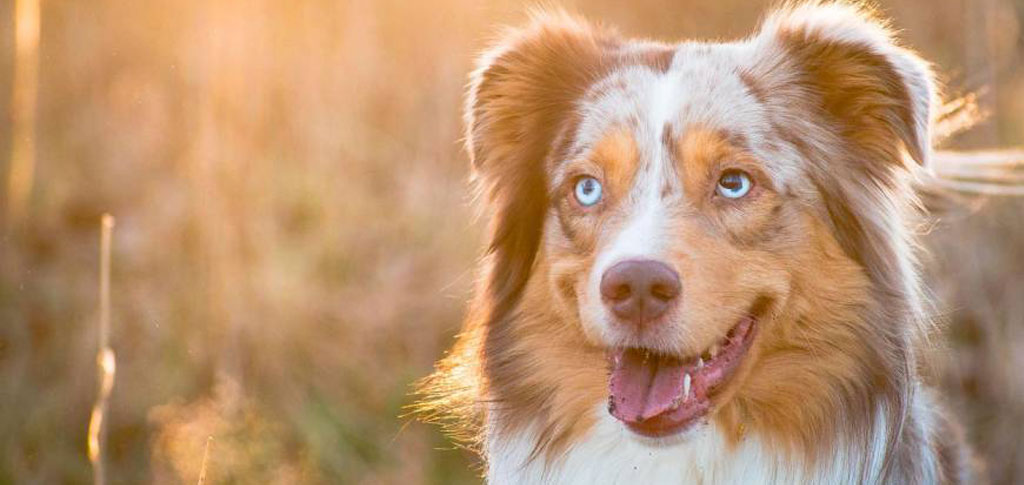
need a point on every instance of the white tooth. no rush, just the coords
(713, 350)
(686, 387)
(700, 362)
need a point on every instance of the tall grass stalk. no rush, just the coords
(24, 96)
(106, 364)
(206, 460)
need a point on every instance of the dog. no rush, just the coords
(701, 263)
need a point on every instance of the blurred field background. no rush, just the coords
(295, 242)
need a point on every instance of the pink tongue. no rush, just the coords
(643, 387)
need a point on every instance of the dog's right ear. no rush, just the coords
(843, 57)
(521, 98)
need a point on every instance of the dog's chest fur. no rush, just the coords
(609, 454)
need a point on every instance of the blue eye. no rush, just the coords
(588, 191)
(734, 184)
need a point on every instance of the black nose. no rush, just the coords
(639, 291)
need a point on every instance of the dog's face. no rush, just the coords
(674, 231)
(667, 224)
(710, 221)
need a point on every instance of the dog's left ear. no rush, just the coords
(873, 92)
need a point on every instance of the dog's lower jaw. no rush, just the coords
(610, 454)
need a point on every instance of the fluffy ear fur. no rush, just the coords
(858, 108)
(875, 93)
(520, 100)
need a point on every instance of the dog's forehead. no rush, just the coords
(703, 85)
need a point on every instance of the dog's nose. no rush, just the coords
(638, 291)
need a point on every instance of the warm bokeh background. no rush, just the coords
(294, 241)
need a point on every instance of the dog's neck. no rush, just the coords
(609, 453)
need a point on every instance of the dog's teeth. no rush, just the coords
(700, 362)
(686, 387)
(713, 351)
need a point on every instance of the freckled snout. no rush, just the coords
(639, 291)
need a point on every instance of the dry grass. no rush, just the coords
(295, 242)
(24, 97)
(206, 461)
(106, 363)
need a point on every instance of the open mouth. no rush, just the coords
(659, 395)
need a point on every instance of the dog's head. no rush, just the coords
(723, 226)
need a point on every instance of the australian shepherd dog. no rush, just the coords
(701, 262)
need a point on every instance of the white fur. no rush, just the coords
(652, 99)
(611, 454)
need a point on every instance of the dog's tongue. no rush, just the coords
(644, 385)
